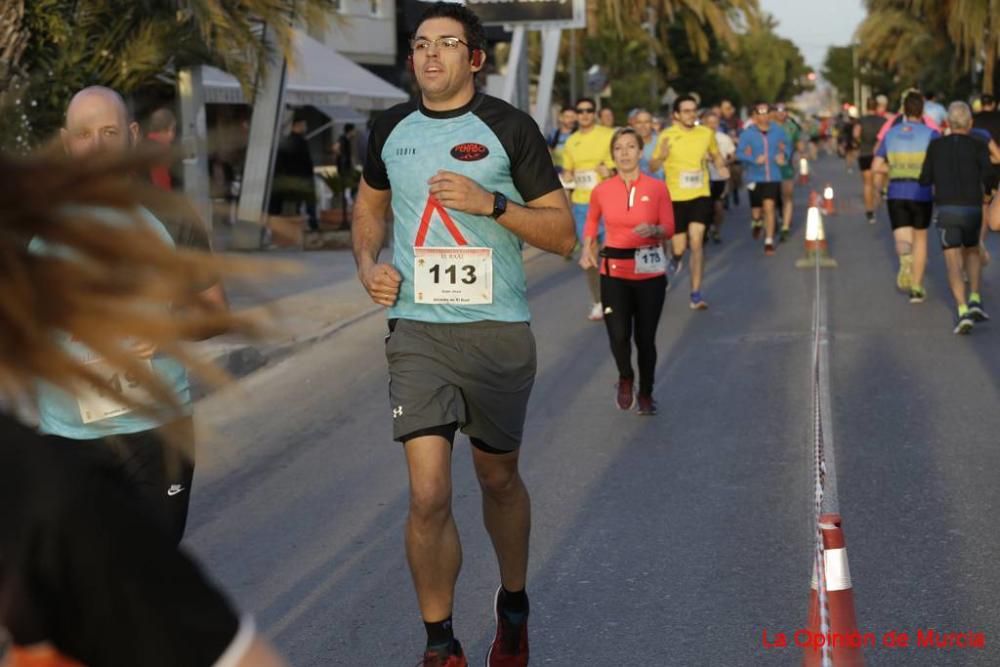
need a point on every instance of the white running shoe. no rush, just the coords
(596, 313)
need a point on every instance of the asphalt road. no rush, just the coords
(674, 540)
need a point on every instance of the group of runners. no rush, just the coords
(933, 164)
(466, 180)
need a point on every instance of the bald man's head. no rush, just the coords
(97, 120)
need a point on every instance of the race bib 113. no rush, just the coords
(460, 276)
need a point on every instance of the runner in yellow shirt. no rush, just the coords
(683, 150)
(586, 162)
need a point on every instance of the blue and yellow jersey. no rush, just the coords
(497, 146)
(904, 147)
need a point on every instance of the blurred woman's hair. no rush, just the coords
(104, 285)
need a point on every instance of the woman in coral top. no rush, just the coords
(638, 219)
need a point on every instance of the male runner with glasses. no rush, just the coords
(469, 179)
(684, 150)
(586, 162)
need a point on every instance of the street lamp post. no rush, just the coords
(650, 26)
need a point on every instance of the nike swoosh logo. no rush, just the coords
(174, 490)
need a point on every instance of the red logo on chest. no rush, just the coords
(469, 152)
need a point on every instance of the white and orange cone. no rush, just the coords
(828, 205)
(839, 599)
(816, 247)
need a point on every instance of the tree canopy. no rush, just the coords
(130, 44)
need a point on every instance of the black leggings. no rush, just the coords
(637, 302)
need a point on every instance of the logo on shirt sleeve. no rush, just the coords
(469, 152)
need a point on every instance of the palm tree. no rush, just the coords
(892, 36)
(974, 27)
(13, 40)
(131, 44)
(905, 34)
(701, 19)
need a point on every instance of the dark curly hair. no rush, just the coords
(475, 35)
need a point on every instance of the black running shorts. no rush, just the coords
(865, 162)
(959, 226)
(477, 375)
(762, 191)
(162, 472)
(700, 210)
(909, 213)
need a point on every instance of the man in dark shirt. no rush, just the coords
(958, 167)
(345, 160)
(989, 118)
(293, 174)
(866, 137)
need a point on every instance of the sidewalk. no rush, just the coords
(304, 308)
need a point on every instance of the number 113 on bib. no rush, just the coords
(453, 276)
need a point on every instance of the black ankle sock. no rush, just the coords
(677, 258)
(514, 602)
(869, 213)
(439, 634)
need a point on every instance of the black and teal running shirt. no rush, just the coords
(487, 140)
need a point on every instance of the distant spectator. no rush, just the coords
(293, 174)
(163, 132)
(345, 159)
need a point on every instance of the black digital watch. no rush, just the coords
(499, 205)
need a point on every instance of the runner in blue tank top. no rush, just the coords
(469, 178)
(901, 155)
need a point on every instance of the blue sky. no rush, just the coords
(815, 25)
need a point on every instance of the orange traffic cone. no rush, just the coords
(803, 171)
(817, 251)
(842, 642)
(828, 206)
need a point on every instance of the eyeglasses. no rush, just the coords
(445, 43)
(585, 109)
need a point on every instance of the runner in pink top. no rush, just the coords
(638, 219)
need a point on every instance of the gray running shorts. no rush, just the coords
(477, 375)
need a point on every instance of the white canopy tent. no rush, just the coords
(317, 76)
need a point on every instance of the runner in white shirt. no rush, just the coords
(717, 181)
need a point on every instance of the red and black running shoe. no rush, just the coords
(452, 658)
(510, 646)
(625, 397)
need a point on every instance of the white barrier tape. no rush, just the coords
(821, 574)
(837, 572)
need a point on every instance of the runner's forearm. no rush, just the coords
(368, 225)
(549, 228)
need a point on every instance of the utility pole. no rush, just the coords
(854, 71)
(651, 29)
(572, 67)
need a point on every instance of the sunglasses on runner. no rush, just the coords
(586, 109)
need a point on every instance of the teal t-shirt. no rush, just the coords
(62, 414)
(488, 141)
